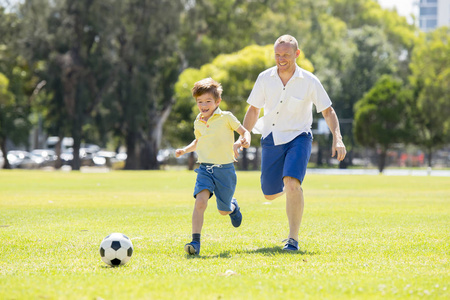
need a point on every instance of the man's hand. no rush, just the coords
(339, 149)
(245, 143)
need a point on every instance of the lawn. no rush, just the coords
(362, 237)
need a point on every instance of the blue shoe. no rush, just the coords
(236, 216)
(291, 245)
(193, 248)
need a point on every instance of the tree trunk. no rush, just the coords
(132, 151)
(244, 159)
(58, 152)
(256, 160)
(382, 160)
(191, 161)
(430, 157)
(152, 144)
(319, 155)
(76, 135)
(149, 153)
(6, 164)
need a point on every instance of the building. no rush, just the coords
(433, 14)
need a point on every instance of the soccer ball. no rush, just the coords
(116, 249)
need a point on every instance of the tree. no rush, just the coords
(18, 86)
(382, 117)
(431, 82)
(74, 39)
(148, 65)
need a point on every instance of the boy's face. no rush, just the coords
(207, 104)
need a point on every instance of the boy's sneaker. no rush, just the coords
(193, 248)
(291, 245)
(236, 216)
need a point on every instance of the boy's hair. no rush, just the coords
(288, 39)
(207, 85)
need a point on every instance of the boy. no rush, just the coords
(216, 151)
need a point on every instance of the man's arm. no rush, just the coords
(333, 123)
(189, 148)
(251, 117)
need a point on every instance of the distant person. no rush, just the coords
(216, 151)
(287, 94)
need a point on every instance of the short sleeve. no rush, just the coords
(319, 96)
(197, 133)
(233, 121)
(257, 97)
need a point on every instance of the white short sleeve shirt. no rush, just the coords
(287, 109)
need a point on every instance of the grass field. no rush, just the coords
(362, 237)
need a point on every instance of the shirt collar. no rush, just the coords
(218, 111)
(297, 73)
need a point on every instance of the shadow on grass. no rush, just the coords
(270, 251)
(225, 254)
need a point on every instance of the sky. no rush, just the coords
(404, 7)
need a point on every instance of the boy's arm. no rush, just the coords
(243, 141)
(189, 148)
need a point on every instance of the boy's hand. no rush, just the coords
(236, 147)
(179, 152)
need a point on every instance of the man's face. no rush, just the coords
(207, 105)
(285, 57)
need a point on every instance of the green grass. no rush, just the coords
(362, 237)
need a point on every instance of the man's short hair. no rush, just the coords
(207, 85)
(288, 39)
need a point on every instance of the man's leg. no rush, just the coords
(273, 197)
(294, 205)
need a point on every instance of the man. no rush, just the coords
(287, 94)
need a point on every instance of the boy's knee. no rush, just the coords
(224, 213)
(201, 205)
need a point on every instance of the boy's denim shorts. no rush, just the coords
(217, 179)
(288, 159)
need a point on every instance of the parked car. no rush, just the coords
(23, 159)
(48, 157)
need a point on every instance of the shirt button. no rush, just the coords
(273, 124)
(278, 112)
(284, 89)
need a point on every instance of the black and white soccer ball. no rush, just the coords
(116, 249)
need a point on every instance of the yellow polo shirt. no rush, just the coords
(215, 138)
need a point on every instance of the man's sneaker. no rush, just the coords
(291, 245)
(236, 216)
(193, 248)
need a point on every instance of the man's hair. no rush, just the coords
(288, 39)
(207, 85)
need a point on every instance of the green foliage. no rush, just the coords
(382, 117)
(362, 237)
(430, 79)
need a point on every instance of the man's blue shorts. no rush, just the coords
(288, 159)
(219, 180)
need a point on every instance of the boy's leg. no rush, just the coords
(225, 180)
(201, 202)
